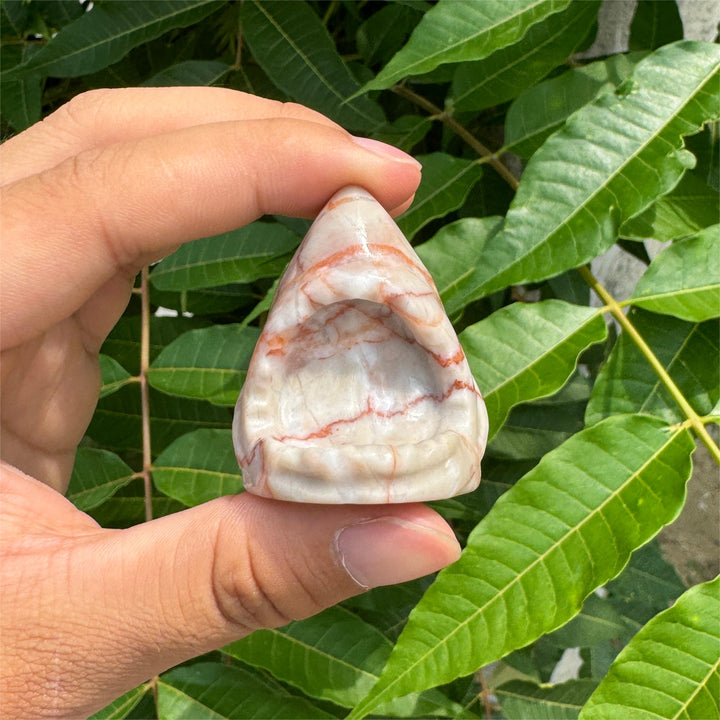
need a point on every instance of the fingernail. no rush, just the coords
(386, 151)
(389, 550)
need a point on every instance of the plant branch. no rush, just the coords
(144, 397)
(437, 113)
(615, 308)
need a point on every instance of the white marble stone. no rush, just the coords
(358, 390)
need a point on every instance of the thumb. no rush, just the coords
(185, 584)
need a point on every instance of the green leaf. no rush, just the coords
(543, 109)
(564, 529)
(189, 72)
(255, 251)
(117, 423)
(198, 467)
(333, 656)
(655, 23)
(123, 706)
(114, 375)
(20, 98)
(671, 668)
(684, 279)
(599, 620)
(521, 700)
(108, 32)
(96, 476)
(127, 507)
(690, 206)
(213, 691)
(688, 351)
(445, 184)
(385, 32)
(535, 428)
(206, 364)
(293, 47)
(607, 164)
(512, 69)
(123, 342)
(454, 252)
(405, 132)
(523, 352)
(463, 30)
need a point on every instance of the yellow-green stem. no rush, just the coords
(615, 309)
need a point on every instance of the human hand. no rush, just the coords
(110, 182)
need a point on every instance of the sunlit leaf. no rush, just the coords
(206, 364)
(542, 109)
(198, 467)
(512, 69)
(240, 256)
(96, 476)
(688, 351)
(123, 706)
(523, 352)
(561, 531)
(113, 374)
(690, 206)
(671, 668)
(216, 691)
(684, 279)
(293, 47)
(333, 656)
(606, 165)
(463, 30)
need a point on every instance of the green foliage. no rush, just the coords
(592, 431)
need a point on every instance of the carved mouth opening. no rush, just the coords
(356, 374)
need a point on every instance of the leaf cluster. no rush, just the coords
(535, 162)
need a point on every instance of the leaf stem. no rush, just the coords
(615, 309)
(144, 390)
(437, 113)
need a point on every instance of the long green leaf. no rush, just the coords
(688, 351)
(198, 467)
(523, 352)
(255, 251)
(521, 700)
(123, 706)
(206, 364)
(655, 23)
(542, 109)
(96, 476)
(684, 279)
(293, 47)
(564, 529)
(334, 656)
(459, 30)
(106, 33)
(454, 252)
(189, 72)
(445, 184)
(671, 668)
(690, 206)
(212, 691)
(20, 98)
(606, 165)
(113, 374)
(507, 72)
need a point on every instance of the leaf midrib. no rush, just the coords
(540, 558)
(700, 686)
(612, 177)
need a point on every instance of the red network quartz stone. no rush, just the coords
(358, 390)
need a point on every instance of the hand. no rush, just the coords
(108, 183)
